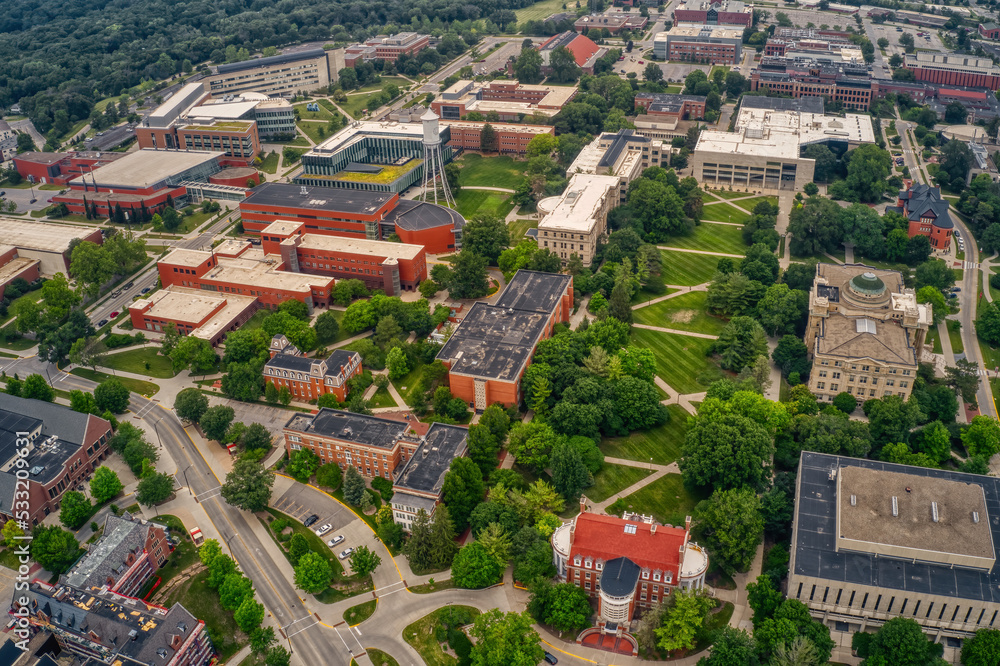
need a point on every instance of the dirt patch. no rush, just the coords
(683, 316)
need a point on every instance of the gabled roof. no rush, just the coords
(650, 546)
(581, 47)
(925, 201)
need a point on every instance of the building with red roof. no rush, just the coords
(627, 563)
(584, 50)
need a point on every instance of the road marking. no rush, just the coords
(970, 265)
(304, 628)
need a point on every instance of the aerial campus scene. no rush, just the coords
(500, 333)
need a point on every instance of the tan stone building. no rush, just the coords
(872, 541)
(865, 333)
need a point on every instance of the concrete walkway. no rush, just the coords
(491, 189)
(658, 472)
(680, 290)
(714, 254)
(675, 331)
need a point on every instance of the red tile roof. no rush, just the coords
(582, 48)
(962, 94)
(604, 537)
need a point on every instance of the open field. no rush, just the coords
(666, 499)
(519, 227)
(322, 114)
(270, 163)
(706, 196)
(499, 171)
(471, 202)
(722, 212)
(135, 385)
(680, 360)
(750, 203)
(685, 312)
(317, 131)
(662, 444)
(135, 360)
(539, 10)
(687, 268)
(614, 479)
(711, 238)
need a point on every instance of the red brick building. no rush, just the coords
(989, 30)
(511, 139)
(208, 315)
(613, 22)
(627, 563)
(927, 214)
(847, 83)
(493, 345)
(386, 48)
(714, 12)
(667, 105)
(14, 266)
(953, 70)
(238, 140)
(309, 378)
(61, 168)
(374, 446)
(511, 100)
(584, 50)
(64, 448)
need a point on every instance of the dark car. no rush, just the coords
(311, 520)
(102, 323)
(145, 290)
(129, 285)
(550, 659)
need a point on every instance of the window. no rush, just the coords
(836, 375)
(834, 387)
(821, 385)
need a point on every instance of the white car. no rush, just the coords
(346, 553)
(323, 529)
(335, 540)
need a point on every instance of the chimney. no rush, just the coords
(687, 523)
(652, 528)
(583, 504)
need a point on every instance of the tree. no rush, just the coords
(653, 72)
(36, 388)
(249, 615)
(354, 486)
(468, 276)
(235, 588)
(313, 573)
(105, 484)
(154, 489)
(190, 404)
(76, 509)
(733, 647)
(562, 64)
(868, 169)
(683, 620)
(248, 485)
(483, 447)
(11, 533)
(528, 67)
(53, 548)
(111, 395)
(92, 267)
(932, 295)
(900, 642)
(569, 473)
(764, 598)
(505, 639)
(194, 353)
(364, 561)
(327, 328)
(781, 309)
(982, 649)
(489, 142)
(566, 607)
(329, 476)
(487, 236)
(935, 273)
(726, 451)
(397, 363)
(890, 419)
(462, 490)
(988, 323)
(215, 422)
(982, 437)
(733, 527)
(791, 355)
(740, 343)
(474, 567)
(815, 226)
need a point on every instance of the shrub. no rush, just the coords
(995, 280)
(384, 487)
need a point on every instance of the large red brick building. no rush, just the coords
(238, 140)
(309, 378)
(493, 345)
(208, 315)
(512, 139)
(584, 50)
(386, 48)
(714, 12)
(128, 553)
(847, 83)
(14, 266)
(61, 168)
(667, 105)
(953, 70)
(927, 214)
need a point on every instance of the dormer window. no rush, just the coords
(576, 561)
(600, 565)
(645, 574)
(669, 577)
(656, 575)
(589, 563)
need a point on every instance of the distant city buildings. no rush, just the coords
(804, 40)
(872, 541)
(60, 168)
(418, 485)
(386, 48)
(512, 101)
(714, 12)
(926, 213)
(490, 349)
(282, 75)
(865, 333)
(309, 378)
(700, 43)
(659, 106)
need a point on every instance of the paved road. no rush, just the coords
(29, 127)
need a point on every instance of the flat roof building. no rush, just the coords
(513, 101)
(714, 12)
(701, 43)
(873, 540)
(387, 48)
(954, 70)
(613, 21)
(865, 333)
(837, 76)
(46, 242)
(418, 485)
(493, 344)
(670, 106)
(203, 314)
(283, 75)
(764, 150)
(512, 139)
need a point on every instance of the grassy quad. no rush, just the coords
(500, 171)
(711, 237)
(613, 479)
(667, 499)
(662, 444)
(680, 359)
(750, 203)
(472, 202)
(135, 360)
(539, 10)
(519, 229)
(317, 131)
(688, 268)
(147, 389)
(685, 312)
(322, 114)
(723, 212)
(706, 196)
(270, 163)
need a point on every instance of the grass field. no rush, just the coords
(666, 499)
(471, 202)
(195, 596)
(688, 269)
(420, 636)
(933, 340)
(722, 212)
(398, 80)
(358, 614)
(725, 194)
(712, 238)
(135, 360)
(380, 658)
(685, 312)
(955, 335)
(750, 203)
(662, 444)
(383, 398)
(680, 360)
(135, 385)
(356, 104)
(499, 171)
(539, 10)
(33, 296)
(270, 163)
(316, 131)
(614, 479)
(519, 227)
(322, 114)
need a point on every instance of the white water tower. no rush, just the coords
(433, 159)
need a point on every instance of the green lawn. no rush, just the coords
(380, 658)
(680, 360)
(316, 544)
(955, 335)
(420, 636)
(519, 227)
(33, 296)
(722, 212)
(322, 114)
(685, 312)
(183, 556)
(134, 385)
(383, 398)
(662, 444)
(318, 132)
(725, 194)
(933, 340)
(203, 603)
(470, 202)
(499, 171)
(539, 10)
(687, 268)
(750, 203)
(358, 614)
(371, 87)
(666, 499)
(270, 163)
(135, 360)
(712, 238)
(614, 479)
(356, 104)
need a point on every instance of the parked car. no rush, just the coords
(344, 554)
(115, 314)
(335, 540)
(116, 294)
(642, 62)
(102, 323)
(550, 659)
(323, 529)
(145, 290)
(129, 285)
(956, 289)
(311, 520)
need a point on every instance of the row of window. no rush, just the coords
(863, 367)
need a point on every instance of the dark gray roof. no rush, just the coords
(494, 342)
(271, 60)
(425, 470)
(923, 200)
(331, 199)
(122, 535)
(807, 104)
(814, 541)
(57, 419)
(9, 653)
(619, 142)
(418, 215)
(304, 364)
(619, 577)
(351, 427)
(534, 291)
(8, 484)
(339, 357)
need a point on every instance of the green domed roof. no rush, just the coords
(867, 283)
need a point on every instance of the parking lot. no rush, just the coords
(888, 30)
